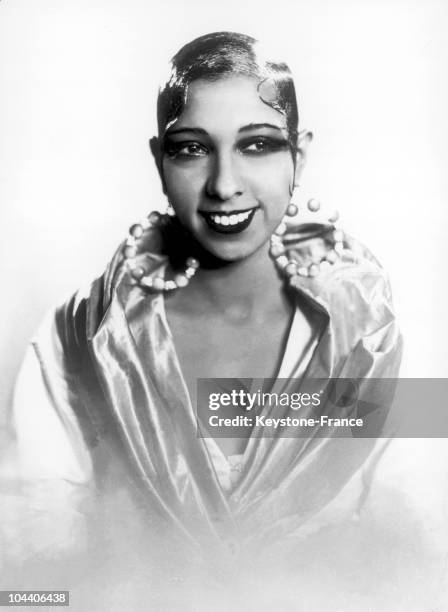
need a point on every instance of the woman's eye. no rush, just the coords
(186, 149)
(259, 146)
(263, 145)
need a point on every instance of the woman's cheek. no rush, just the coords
(275, 174)
(273, 192)
(183, 187)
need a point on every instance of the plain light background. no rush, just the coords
(78, 84)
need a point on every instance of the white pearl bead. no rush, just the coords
(192, 262)
(281, 229)
(313, 270)
(129, 252)
(277, 249)
(282, 261)
(338, 235)
(302, 271)
(154, 217)
(291, 268)
(313, 205)
(146, 281)
(292, 210)
(138, 272)
(158, 283)
(136, 230)
(181, 280)
(334, 216)
(338, 247)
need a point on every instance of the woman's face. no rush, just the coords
(227, 167)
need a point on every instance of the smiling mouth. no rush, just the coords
(229, 223)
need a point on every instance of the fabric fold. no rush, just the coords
(132, 401)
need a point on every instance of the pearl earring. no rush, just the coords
(139, 273)
(314, 206)
(291, 266)
(292, 210)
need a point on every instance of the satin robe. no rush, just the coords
(134, 428)
(128, 394)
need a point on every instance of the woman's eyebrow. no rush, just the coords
(187, 129)
(255, 126)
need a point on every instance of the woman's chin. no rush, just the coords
(212, 247)
(232, 253)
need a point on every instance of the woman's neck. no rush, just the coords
(250, 287)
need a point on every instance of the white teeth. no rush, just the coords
(230, 219)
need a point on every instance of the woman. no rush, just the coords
(232, 284)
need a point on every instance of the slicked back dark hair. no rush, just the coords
(220, 54)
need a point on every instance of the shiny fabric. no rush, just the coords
(127, 391)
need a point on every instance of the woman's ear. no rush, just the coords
(303, 141)
(156, 150)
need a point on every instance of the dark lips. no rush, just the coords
(228, 229)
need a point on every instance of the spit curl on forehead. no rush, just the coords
(219, 55)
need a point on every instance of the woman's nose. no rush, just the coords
(224, 181)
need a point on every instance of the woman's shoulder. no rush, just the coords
(343, 279)
(337, 270)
